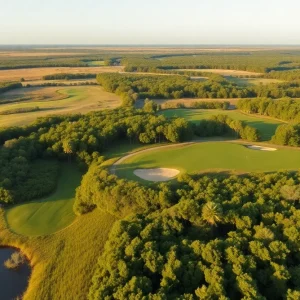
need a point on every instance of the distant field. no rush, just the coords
(266, 126)
(211, 157)
(54, 100)
(34, 54)
(252, 81)
(51, 213)
(38, 73)
(224, 72)
(95, 63)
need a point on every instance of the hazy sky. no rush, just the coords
(149, 22)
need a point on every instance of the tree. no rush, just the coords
(212, 213)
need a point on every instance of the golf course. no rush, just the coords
(266, 126)
(50, 214)
(211, 157)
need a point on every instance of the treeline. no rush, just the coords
(69, 76)
(7, 86)
(198, 105)
(288, 135)
(222, 125)
(81, 83)
(207, 237)
(283, 109)
(132, 87)
(284, 75)
(259, 61)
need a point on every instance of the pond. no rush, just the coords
(13, 283)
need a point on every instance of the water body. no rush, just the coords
(13, 283)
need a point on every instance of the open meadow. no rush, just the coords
(53, 100)
(266, 126)
(211, 157)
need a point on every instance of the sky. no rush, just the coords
(149, 22)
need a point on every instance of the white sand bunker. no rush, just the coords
(255, 147)
(159, 174)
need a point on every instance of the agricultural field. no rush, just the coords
(58, 82)
(266, 126)
(95, 63)
(38, 73)
(50, 214)
(211, 157)
(53, 100)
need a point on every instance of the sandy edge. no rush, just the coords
(260, 148)
(157, 174)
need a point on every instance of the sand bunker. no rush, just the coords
(159, 174)
(255, 147)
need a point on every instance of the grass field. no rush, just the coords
(211, 157)
(38, 73)
(252, 81)
(67, 82)
(50, 214)
(95, 63)
(266, 126)
(54, 100)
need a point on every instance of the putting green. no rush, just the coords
(211, 157)
(50, 214)
(266, 127)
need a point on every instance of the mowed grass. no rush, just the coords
(54, 100)
(50, 214)
(211, 157)
(266, 126)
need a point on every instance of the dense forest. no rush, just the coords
(263, 62)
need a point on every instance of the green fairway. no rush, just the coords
(49, 214)
(266, 127)
(211, 157)
(252, 81)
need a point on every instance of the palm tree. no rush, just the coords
(212, 213)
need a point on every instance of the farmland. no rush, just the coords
(37, 73)
(54, 100)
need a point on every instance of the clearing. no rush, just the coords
(252, 81)
(210, 157)
(50, 214)
(266, 126)
(54, 100)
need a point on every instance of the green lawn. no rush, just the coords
(212, 157)
(50, 214)
(267, 127)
